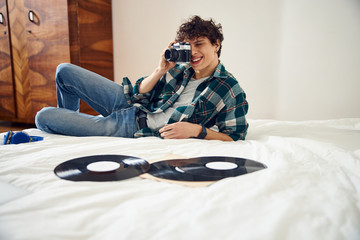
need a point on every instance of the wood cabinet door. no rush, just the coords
(91, 39)
(7, 99)
(47, 32)
(44, 34)
(40, 42)
(95, 36)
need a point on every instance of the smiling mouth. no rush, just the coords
(196, 60)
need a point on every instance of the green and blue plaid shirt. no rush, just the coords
(219, 100)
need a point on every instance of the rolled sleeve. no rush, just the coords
(231, 120)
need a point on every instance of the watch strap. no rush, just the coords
(203, 133)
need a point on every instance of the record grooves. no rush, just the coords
(196, 169)
(77, 169)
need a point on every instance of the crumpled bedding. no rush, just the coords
(310, 190)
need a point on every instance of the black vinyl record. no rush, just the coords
(204, 168)
(117, 167)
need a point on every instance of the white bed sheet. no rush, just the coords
(310, 190)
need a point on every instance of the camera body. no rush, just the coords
(179, 52)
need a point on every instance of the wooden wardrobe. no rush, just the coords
(38, 35)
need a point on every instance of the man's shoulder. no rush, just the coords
(229, 84)
(222, 76)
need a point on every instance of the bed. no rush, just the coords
(309, 190)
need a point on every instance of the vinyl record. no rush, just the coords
(204, 168)
(101, 168)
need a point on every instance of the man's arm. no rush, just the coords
(181, 130)
(164, 66)
(149, 82)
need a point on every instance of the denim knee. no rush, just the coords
(43, 117)
(63, 69)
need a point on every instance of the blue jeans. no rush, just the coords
(104, 96)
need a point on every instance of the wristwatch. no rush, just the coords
(203, 133)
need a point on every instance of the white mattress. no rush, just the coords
(310, 190)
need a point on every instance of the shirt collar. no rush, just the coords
(220, 71)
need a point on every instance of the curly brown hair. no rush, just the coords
(197, 27)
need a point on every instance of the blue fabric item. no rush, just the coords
(20, 137)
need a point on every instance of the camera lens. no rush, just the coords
(171, 55)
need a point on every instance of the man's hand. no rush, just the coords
(165, 66)
(180, 130)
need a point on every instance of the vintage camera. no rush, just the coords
(179, 52)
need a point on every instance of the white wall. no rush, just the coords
(296, 60)
(319, 74)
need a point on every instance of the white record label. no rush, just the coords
(221, 165)
(103, 166)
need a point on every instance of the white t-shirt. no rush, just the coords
(158, 120)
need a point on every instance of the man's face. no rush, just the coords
(204, 57)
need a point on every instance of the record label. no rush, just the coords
(204, 168)
(101, 168)
(221, 165)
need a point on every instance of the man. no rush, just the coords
(175, 101)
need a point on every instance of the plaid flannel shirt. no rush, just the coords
(219, 101)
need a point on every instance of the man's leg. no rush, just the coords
(106, 97)
(74, 83)
(121, 123)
